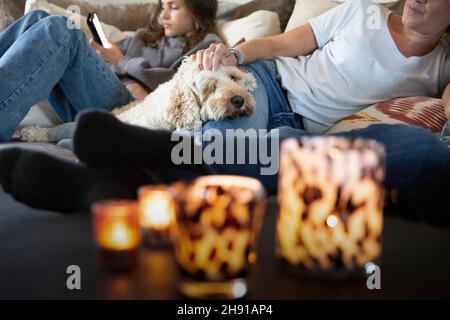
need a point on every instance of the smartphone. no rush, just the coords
(96, 29)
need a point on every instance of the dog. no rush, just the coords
(191, 97)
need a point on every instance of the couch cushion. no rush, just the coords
(113, 33)
(128, 16)
(257, 25)
(283, 8)
(9, 11)
(417, 111)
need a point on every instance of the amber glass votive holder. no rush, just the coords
(157, 215)
(331, 200)
(117, 234)
(217, 223)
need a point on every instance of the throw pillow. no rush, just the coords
(283, 8)
(417, 111)
(257, 25)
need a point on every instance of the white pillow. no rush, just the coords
(111, 32)
(305, 10)
(256, 25)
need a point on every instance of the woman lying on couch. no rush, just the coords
(402, 58)
(351, 57)
(42, 58)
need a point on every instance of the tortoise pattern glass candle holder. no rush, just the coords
(331, 205)
(217, 224)
(117, 234)
(157, 215)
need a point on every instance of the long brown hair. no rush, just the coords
(204, 14)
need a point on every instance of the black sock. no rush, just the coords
(101, 139)
(45, 182)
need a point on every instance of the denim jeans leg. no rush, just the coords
(418, 165)
(280, 112)
(49, 54)
(19, 27)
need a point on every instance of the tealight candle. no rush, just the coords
(117, 233)
(331, 204)
(157, 213)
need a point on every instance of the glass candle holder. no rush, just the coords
(157, 215)
(217, 224)
(117, 233)
(331, 205)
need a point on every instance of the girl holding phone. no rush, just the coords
(41, 58)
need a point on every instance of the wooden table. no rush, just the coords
(36, 247)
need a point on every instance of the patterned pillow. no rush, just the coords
(417, 111)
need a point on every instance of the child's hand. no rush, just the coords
(138, 92)
(111, 54)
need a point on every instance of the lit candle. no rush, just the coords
(117, 233)
(157, 213)
(331, 204)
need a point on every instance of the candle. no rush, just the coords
(117, 233)
(331, 204)
(157, 213)
(217, 224)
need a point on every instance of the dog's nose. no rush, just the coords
(238, 101)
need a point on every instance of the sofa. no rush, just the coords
(235, 19)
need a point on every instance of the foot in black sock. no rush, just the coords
(8, 159)
(101, 139)
(45, 182)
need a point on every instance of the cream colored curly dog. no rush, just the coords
(192, 96)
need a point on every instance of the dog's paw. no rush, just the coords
(34, 134)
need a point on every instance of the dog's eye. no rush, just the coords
(234, 77)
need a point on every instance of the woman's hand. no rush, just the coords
(111, 54)
(137, 91)
(213, 57)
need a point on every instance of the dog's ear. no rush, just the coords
(208, 88)
(248, 80)
(186, 71)
(182, 112)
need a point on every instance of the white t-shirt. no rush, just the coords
(357, 64)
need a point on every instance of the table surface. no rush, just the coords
(37, 246)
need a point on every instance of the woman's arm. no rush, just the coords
(446, 101)
(297, 42)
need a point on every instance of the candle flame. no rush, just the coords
(118, 236)
(157, 211)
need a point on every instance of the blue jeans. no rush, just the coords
(445, 135)
(272, 108)
(42, 58)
